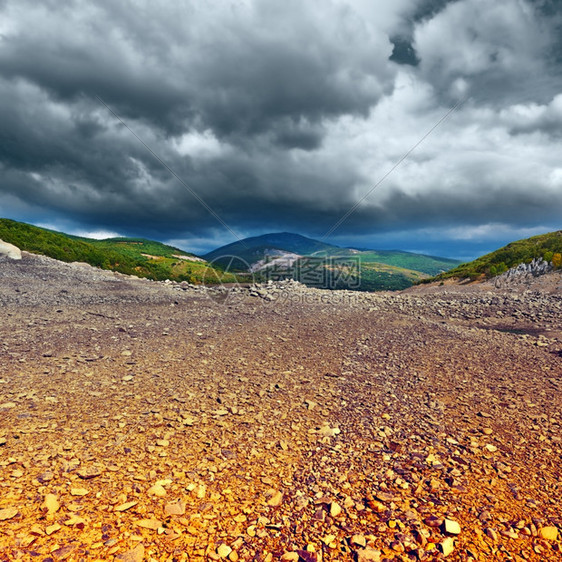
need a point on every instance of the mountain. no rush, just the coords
(286, 254)
(132, 256)
(545, 246)
(256, 248)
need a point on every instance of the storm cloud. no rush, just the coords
(282, 115)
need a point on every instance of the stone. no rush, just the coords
(335, 509)
(175, 508)
(368, 555)
(51, 503)
(358, 540)
(276, 498)
(52, 529)
(9, 250)
(447, 546)
(126, 506)
(74, 520)
(8, 513)
(548, 533)
(152, 524)
(327, 431)
(290, 557)
(224, 551)
(78, 492)
(134, 555)
(451, 527)
(157, 490)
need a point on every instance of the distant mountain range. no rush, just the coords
(277, 255)
(318, 263)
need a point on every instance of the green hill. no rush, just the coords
(546, 246)
(379, 269)
(253, 249)
(132, 256)
(429, 265)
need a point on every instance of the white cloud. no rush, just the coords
(501, 40)
(97, 234)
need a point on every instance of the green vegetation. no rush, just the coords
(379, 269)
(132, 256)
(430, 265)
(336, 273)
(546, 246)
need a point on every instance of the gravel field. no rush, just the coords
(163, 422)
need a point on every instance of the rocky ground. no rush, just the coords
(159, 422)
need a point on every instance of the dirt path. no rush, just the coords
(144, 422)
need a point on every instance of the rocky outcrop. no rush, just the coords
(524, 272)
(9, 250)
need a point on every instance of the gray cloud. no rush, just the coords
(281, 115)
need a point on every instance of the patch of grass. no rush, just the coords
(132, 256)
(546, 246)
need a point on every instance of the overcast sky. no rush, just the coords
(282, 115)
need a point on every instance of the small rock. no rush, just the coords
(78, 492)
(327, 431)
(433, 521)
(134, 555)
(52, 529)
(548, 533)
(51, 503)
(452, 527)
(335, 509)
(290, 557)
(126, 506)
(276, 498)
(175, 508)
(491, 448)
(162, 442)
(368, 555)
(447, 546)
(152, 524)
(8, 513)
(358, 540)
(157, 490)
(74, 520)
(491, 533)
(224, 550)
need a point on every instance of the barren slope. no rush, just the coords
(142, 421)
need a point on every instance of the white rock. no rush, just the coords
(9, 250)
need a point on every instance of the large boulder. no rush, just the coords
(9, 250)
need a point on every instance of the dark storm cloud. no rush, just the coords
(237, 70)
(280, 114)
